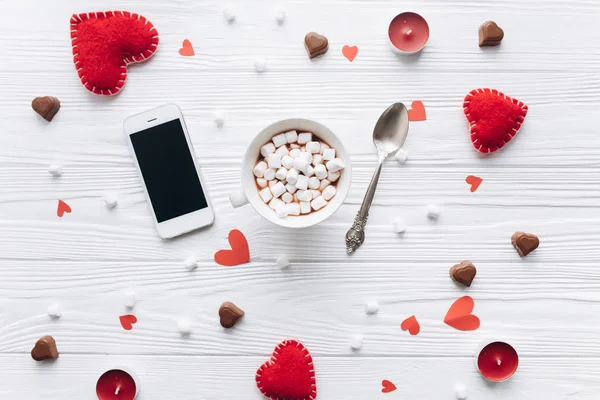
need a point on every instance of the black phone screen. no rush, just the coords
(169, 170)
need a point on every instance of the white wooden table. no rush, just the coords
(546, 181)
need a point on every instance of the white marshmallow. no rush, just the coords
(399, 225)
(282, 262)
(279, 140)
(293, 208)
(356, 342)
(281, 173)
(401, 156)
(267, 149)
(287, 197)
(55, 310)
(300, 164)
(280, 16)
(315, 193)
(302, 182)
(282, 151)
(314, 183)
(320, 171)
(281, 211)
(287, 161)
(239, 199)
(292, 176)
(305, 207)
(273, 183)
(295, 153)
(229, 14)
(329, 192)
(266, 195)
(270, 174)
(129, 299)
(304, 137)
(274, 160)
(335, 165)
(317, 159)
(278, 189)
(328, 154)
(110, 200)
(294, 146)
(306, 155)
(304, 195)
(318, 203)
(333, 176)
(460, 391)
(324, 184)
(291, 188)
(260, 64)
(324, 146)
(55, 170)
(275, 202)
(185, 326)
(191, 263)
(433, 211)
(261, 182)
(310, 171)
(371, 307)
(313, 147)
(219, 118)
(291, 136)
(259, 169)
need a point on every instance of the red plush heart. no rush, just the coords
(105, 42)
(289, 374)
(494, 118)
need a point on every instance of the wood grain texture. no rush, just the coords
(546, 181)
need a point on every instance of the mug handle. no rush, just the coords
(238, 199)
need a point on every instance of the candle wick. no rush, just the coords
(118, 390)
(409, 32)
(499, 361)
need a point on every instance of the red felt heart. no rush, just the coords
(239, 253)
(474, 181)
(350, 52)
(417, 111)
(494, 118)
(412, 325)
(127, 321)
(289, 374)
(105, 42)
(62, 208)
(459, 315)
(387, 386)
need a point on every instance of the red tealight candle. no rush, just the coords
(408, 32)
(497, 361)
(116, 384)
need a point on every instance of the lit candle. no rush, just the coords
(408, 32)
(117, 384)
(497, 361)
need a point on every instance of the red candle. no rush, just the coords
(116, 384)
(408, 32)
(497, 361)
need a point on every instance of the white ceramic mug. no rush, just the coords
(249, 192)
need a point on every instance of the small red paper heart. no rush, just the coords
(62, 208)
(127, 321)
(388, 386)
(289, 374)
(105, 42)
(350, 52)
(459, 315)
(494, 118)
(417, 111)
(474, 181)
(412, 325)
(186, 50)
(239, 253)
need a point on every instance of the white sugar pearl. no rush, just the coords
(371, 307)
(314, 183)
(291, 136)
(191, 263)
(306, 155)
(55, 170)
(302, 182)
(287, 197)
(55, 310)
(317, 159)
(185, 326)
(318, 203)
(292, 176)
(291, 188)
(283, 262)
(433, 211)
(281, 211)
(304, 195)
(315, 193)
(310, 171)
(293, 208)
(267, 149)
(278, 189)
(399, 225)
(259, 169)
(304, 137)
(320, 171)
(295, 153)
(313, 147)
(219, 118)
(305, 207)
(260, 64)
(266, 195)
(281, 173)
(401, 156)
(356, 342)
(282, 151)
(287, 161)
(274, 160)
(329, 192)
(324, 184)
(280, 16)
(275, 203)
(261, 182)
(229, 14)
(333, 176)
(270, 174)
(335, 165)
(460, 391)
(328, 154)
(110, 200)
(301, 164)
(129, 299)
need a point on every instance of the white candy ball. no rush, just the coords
(356, 342)
(371, 307)
(191, 263)
(433, 211)
(219, 118)
(401, 156)
(55, 310)
(260, 64)
(461, 391)
(280, 16)
(129, 299)
(185, 326)
(110, 200)
(229, 14)
(55, 170)
(399, 225)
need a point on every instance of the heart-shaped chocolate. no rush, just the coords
(315, 44)
(525, 243)
(490, 34)
(463, 273)
(46, 106)
(229, 314)
(44, 349)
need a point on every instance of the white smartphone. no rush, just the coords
(165, 159)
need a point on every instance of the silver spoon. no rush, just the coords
(389, 135)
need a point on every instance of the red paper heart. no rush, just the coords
(289, 374)
(127, 321)
(459, 315)
(105, 42)
(417, 111)
(62, 208)
(350, 52)
(388, 386)
(412, 325)
(186, 50)
(494, 118)
(474, 181)
(239, 253)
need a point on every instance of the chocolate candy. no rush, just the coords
(230, 314)
(463, 273)
(525, 243)
(46, 106)
(44, 349)
(315, 44)
(490, 34)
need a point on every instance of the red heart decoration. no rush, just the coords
(388, 386)
(494, 118)
(289, 374)
(186, 50)
(417, 111)
(350, 52)
(127, 321)
(474, 181)
(459, 315)
(412, 325)
(105, 42)
(239, 253)
(62, 208)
